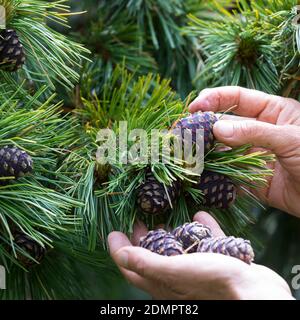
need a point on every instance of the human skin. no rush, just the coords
(264, 121)
(205, 276)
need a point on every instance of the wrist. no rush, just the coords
(256, 285)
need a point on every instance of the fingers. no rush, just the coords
(138, 281)
(279, 139)
(249, 103)
(116, 241)
(206, 219)
(142, 262)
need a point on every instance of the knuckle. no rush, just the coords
(247, 129)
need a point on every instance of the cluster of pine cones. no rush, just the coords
(218, 190)
(16, 163)
(195, 237)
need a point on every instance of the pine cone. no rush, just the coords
(161, 242)
(229, 246)
(191, 233)
(14, 162)
(12, 56)
(35, 250)
(152, 197)
(200, 120)
(218, 190)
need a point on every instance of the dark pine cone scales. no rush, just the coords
(152, 197)
(14, 162)
(196, 121)
(35, 250)
(229, 246)
(161, 242)
(190, 234)
(12, 56)
(218, 190)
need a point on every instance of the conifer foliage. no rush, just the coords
(139, 64)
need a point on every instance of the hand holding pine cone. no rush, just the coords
(195, 237)
(218, 190)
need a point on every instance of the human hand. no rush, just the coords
(195, 276)
(265, 121)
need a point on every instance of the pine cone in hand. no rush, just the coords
(196, 121)
(229, 246)
(218, 190)
(161, 242)
(152, 197)
(190, 234)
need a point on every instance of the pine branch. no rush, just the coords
(50, 56)
(110, 193)
(37, 205)
(256, 51)
(113, 39)
(247, 57)
(62, 275)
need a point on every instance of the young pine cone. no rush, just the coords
(218, 190)
(229, 246)
(152, 197)
(190, 234)
(161, 242)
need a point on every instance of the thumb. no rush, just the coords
(279, 139)
(147, 264)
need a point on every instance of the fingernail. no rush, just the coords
(122, 258)
(224, 128)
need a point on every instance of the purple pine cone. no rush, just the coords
(218, 190)
(12, 55)
(14, 162)
(229, 246)
(161, 242)
(190, 234)
(199, 120)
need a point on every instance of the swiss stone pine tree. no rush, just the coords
(139, 62)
